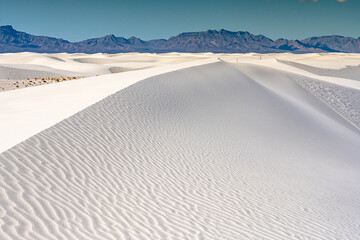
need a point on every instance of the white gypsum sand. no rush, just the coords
(19, 70)
(216, 151)
(27, 111)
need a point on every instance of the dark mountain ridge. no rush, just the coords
(217, 41)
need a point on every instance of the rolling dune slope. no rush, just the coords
(208, 152)
(349, 72)
(12, 72)
(26, 112)
(18, 69)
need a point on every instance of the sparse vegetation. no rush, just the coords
(39, 81)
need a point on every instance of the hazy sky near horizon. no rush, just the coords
(76, 20)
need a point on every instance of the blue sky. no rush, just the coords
(76, 20)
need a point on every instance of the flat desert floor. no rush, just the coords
(180, 146)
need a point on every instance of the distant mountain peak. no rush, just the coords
(110, 37)
(217, 41)
(7, 27)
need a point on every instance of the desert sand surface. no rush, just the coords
(19, 70)
(189, 146)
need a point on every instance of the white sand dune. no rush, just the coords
(218, 151)
(20, 72)
(326, 60)
(350, 72)
(23, 66)
(28, 111)
(343, 100)
(272, 62)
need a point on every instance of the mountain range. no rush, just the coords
(217, 41)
